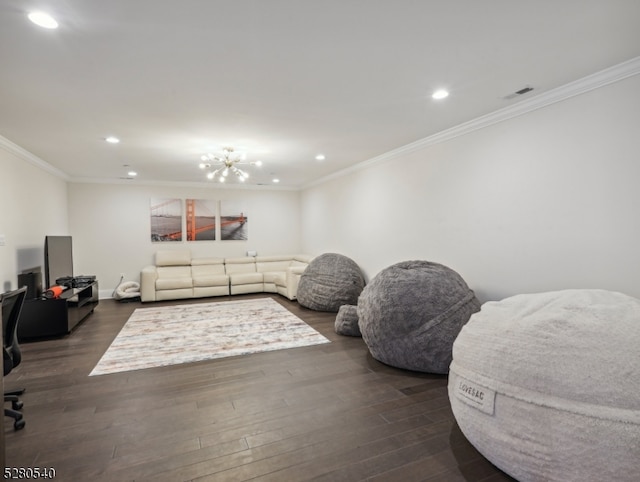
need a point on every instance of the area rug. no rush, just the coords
(177, 334)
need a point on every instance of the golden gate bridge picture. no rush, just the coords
(201, 220)
(166, 220)
(233, 222)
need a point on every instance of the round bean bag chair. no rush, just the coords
(347, 321)
(330, 281)
(547, 386)
(411, 312)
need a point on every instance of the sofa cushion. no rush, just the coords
(240, 265)
(273, 259)
(177, 257)
(273, 264)
(245, 278)
(211, 280)
(170, 272)
(207, 270)
(173, 277)
(173, 283)
(276, 277)
(207, 261)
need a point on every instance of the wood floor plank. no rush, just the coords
(329, 412)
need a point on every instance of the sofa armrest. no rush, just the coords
(148, 277)
(296, 270)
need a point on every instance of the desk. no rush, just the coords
(58, 316)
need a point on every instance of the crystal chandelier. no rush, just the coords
(223, 166)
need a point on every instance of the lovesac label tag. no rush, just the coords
(475, 395)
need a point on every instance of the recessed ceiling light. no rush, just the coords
(275, 180)
(440, 94)
(43, 20)
(112, 140)
(132, 173)
(320, 157)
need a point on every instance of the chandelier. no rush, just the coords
(225, 165)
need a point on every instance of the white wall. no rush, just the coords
(543, 201)
(34, 204)
(548, 200)
(111, 227)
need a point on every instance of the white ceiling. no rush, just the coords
(282, 80)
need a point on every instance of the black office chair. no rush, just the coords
(11, 303)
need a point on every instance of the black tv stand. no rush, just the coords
(42, 318)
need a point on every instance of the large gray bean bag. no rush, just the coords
(547, 386)
(330, 281)
(411, 313)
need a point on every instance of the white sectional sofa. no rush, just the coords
(176, 275)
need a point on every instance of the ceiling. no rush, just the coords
(280, 80)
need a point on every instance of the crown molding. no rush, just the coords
(591, 82)
(25, 155)
(187, 184)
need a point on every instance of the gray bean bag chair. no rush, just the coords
(347, 321)
(411, 313)
(547, 386)
(330, 281)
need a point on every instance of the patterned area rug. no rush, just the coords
(171, 335)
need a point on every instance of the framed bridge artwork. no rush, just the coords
(166, 219)
(201, 219)
(234, 221)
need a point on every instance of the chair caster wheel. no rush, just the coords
(17, 405)
(19, 424)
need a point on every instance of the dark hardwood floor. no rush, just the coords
(327, 412)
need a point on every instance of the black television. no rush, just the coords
(58, 258)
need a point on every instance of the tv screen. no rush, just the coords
(58, 258)
(35, 269)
